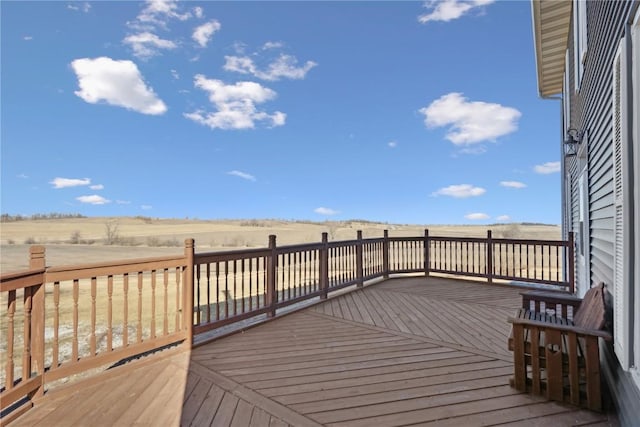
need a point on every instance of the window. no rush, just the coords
(579, 39)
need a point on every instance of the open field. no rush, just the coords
(83, 240)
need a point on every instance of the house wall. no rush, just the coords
(591, 111)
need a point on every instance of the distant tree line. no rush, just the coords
(52, 215)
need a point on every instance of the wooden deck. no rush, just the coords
(405, 351)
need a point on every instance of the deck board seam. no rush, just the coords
(452, 346)
(255, 398)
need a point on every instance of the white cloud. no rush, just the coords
(477, 149)
(325, 211)
(175, 74)
(392, 144)
(158, 12)
(285, 66)
(203, 33)
(477, 216)
(97, 187)
(94, 199)
(272, 45)
(84, 7)
(503, 218)
(242, 175)
(513, 184)
(198, 12)
(547, 168)
(470, 122)
(235, 105)
(23, 176)
(123, 202)
(69, 182)
(116, 83)
(146, 207)
(449, 10)
(146, 44)
(461, 191)
(27, 38)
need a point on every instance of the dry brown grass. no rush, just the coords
(82, 240)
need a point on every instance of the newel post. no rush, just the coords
(385, 254)
(571, 262)
(359, 261)
(35, 363)
(188, 287)
(324, 266)
(489, 257)
(272, 262)
(427, 253)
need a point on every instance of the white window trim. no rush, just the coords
(622, 316)
(580, 39)
(566, 96)
(635, 34)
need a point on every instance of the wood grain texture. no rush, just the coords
(405, 351)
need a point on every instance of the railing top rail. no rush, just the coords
(531, 242)
(297, 248)
(456, 239)
(205, 257)
(109, 268)
(5, 277)
(21, 279)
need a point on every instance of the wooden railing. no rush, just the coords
(61, 321)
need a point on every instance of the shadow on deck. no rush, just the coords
(401, 352)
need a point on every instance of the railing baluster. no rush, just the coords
(11, 311)
(125, 309)
(165, 316)
(92, 336)
(153, 305)
(139, 325)
(74, 350)
(56, 324)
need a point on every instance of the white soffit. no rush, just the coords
(551, 24)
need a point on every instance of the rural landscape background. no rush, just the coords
(73, 239)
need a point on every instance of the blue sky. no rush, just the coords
(402, 112)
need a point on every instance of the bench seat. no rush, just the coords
(556, 356)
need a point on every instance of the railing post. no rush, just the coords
(385, 255)
(36, 362)
(427, 253)
(188, 285)
(324, 266)
(571, 262)
(489, 253)
(272, 261)
(359, 260)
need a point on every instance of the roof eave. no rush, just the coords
(551, 24)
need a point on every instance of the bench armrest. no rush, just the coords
(559, 327)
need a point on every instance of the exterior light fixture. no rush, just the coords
(571, 142)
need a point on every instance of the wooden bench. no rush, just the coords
(554, 339)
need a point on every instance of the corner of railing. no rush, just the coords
(189, 253)
(36, 360)
(272, 264)
(489, 257)
(324, 266)
(359, 260)
(427, 253)
(385, 255)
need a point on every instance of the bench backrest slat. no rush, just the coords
(591, 314)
